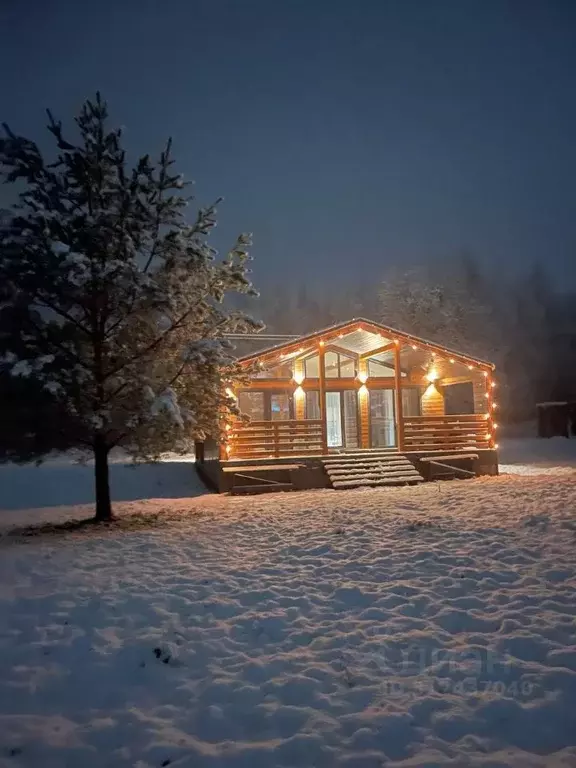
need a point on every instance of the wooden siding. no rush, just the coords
(432, 401)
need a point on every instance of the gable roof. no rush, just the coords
(362, 324)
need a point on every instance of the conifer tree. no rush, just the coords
(110, 301)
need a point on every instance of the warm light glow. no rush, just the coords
(228, 450)
(230, 393)
(496, 445)
(298, 378)
(452, 360)
(492, 384)
(396, 341)
(362, 377)
(321, 343)
(431, 376)
(488, 436)
(228, 427)
(495, 426)
(494, 405)
(363, 390)
(414, 346)
(485, 373)
(486, 394)
(298, 393)
(340, 335)
(470, 367)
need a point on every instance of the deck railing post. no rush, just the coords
(398, 391)
(322, 396)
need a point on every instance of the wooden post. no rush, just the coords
(398, 390)
(322, 396)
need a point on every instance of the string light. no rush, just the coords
(470, 367)
(494, 405)
(495, 426)
(414, 346)
(485, 373)
(492, 384)
(452, 360)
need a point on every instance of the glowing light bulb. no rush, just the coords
(414, 346)
(452, 360)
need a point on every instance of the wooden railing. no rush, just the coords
(438, 433)
(260, 439)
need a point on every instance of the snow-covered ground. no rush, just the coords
(427, 626)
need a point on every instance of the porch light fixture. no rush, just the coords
(432, 376)
(362, 377)
(298, 393)
(363, 390)
(298, 378)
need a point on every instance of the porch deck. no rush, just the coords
(345, 469)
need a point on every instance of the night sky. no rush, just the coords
(348, 136)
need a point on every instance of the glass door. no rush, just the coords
(334, 419)
(382, 425)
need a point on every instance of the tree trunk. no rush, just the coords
(102, 480)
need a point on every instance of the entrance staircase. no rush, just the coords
(370, 469)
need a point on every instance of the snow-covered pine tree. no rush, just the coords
(111, 301)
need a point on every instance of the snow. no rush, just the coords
(425, 626)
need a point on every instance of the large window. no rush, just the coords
(266, 406)
(276, 372)
(252, 404)
(411, 401)
(379, 369)
(312, 367)
(338, 366)
(312, 404)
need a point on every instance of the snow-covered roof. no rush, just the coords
(367, 335)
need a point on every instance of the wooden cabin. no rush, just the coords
(356, 404)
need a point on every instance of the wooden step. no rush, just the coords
(342, 484)
(242, 490)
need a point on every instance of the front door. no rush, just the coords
(334, 432)
(342, 419)
(382, 425)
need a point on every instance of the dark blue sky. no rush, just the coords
(347, 136)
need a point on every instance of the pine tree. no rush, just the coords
(110, 302)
